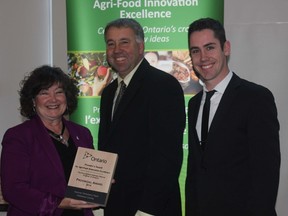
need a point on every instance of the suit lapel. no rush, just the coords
(193, 115)
(132, 89)
(73, 133)
(110, 97)
(225, 103)
(43, 138)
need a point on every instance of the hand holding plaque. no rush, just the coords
(91, 176)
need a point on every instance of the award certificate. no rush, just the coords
(91, 175)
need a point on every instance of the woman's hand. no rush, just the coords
(68, 203)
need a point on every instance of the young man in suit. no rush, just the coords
(145, 130)
(235, 169)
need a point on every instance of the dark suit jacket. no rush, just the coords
(147, 133)
(31, 167)
(238, 173)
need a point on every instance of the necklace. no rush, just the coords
(58, 137)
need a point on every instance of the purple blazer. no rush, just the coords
(31, 170)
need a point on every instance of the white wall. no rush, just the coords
(59, 34)
(24, 44)
(257, 29)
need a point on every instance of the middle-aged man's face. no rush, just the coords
(122, 50)
(207, 56)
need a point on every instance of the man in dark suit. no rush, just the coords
(234, 171)
(146, 129)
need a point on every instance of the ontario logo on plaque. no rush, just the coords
(91, 176)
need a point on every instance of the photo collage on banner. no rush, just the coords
(165, 24)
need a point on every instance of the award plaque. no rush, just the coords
(91, 175)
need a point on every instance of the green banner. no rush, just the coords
(165, 24)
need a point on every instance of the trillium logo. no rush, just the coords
(88, 155)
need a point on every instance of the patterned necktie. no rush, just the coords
(205, 118)
(120, 95)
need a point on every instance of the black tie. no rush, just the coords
(205, 118)
(120, 94)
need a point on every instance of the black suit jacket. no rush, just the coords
(146, 133)
(238, 173)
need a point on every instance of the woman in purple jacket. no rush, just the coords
(38, 154)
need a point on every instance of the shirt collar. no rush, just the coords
(220, 87)
(129, 76)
